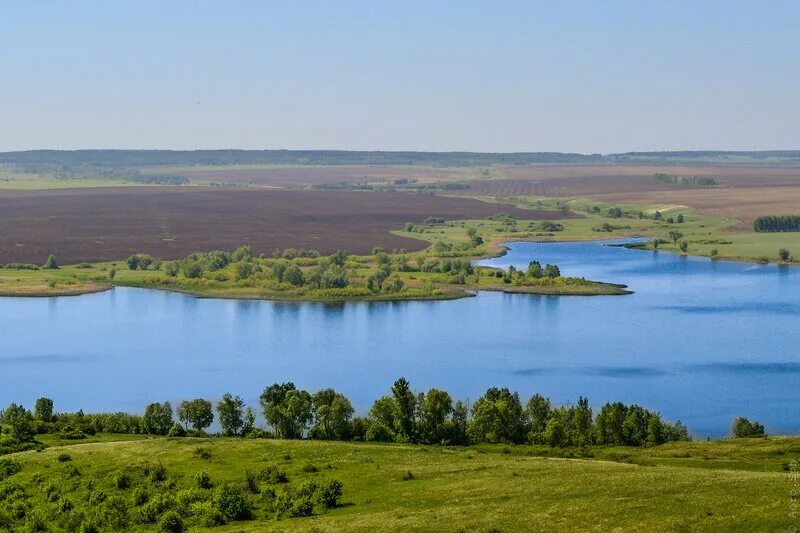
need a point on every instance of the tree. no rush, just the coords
(609, 422)
(231, 414)
(498, 416)
(539, 411)
(684, 246)
(383, 420)
(674, 236)
(51, 262)
(552, 271)
(293, 275)
(339, 257)
(332, 413)
(581, 422)
(242, 253)
(680, 218)
(133, 262)
(784, 254)
(334, 277)
(436, 407)
(634, 427)
(744, 428)
(43, 409)
(198, 413)
(534, 270)
(287, 409)
(20, 421)
(406, 403)
(393, 285)
(249, 421)
(157, 418)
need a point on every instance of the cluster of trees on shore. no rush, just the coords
(774, 223)
(432, 417)
(534, 275)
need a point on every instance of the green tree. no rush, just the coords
(197, 413)
(684, 246)
(581, 422)
(287, 409)
(744, 428)
(680, 219)
(784, 254)
(552, 271)
(538, 411)
(242, 253)
(535, 270)
(43, 409)
(498, 416)
(20, 421)
(609, 422)
(332, 413)
(293, 275)
(436, 407)
(231, 414)
(157, 418)
(51, 262)
(674, 235)
(406, 405)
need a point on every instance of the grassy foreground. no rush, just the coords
(738, 485)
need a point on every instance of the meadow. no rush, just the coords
(730, 485)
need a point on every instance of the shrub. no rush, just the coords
(301, 506)
(63, 457)
(171, 522)
(140, 496)
(329, 493)
(176, 430)
(9, 467)
(122, 481)
(51, 262)
(408, 476)
(203, 480)
(158, 473)
(114, 512)
(230, 503)
(310, 468)
(89, 527)
(273, 474)
(251, 482)
(744, 428)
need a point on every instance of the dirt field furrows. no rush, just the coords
(744, 192)
(172, 222)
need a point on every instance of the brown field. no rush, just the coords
(171, 222)
(311, 175)
(744, 192)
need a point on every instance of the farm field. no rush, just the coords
(737, 485)
(171, 222)
(743, 192)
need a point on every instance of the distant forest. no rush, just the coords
(144, 158)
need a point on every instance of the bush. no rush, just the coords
(203, 480)
(9, 467)
(63, 457)
(122, 481)
(230, 503)
(329, 493)
(171, 522)
(176, 430)
(273, 474)
(140, 496)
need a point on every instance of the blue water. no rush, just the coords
(701, 341)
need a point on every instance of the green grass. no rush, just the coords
(736, 485)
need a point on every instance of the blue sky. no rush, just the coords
(483, 76)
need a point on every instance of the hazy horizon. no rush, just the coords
(516, 77)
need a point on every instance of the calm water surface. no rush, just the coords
(701, 341)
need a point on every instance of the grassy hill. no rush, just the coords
(737, 485)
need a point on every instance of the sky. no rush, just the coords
(569, 76)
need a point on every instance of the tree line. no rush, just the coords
(774, 223)
(403, 416)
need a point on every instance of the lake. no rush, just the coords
(701, 341)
